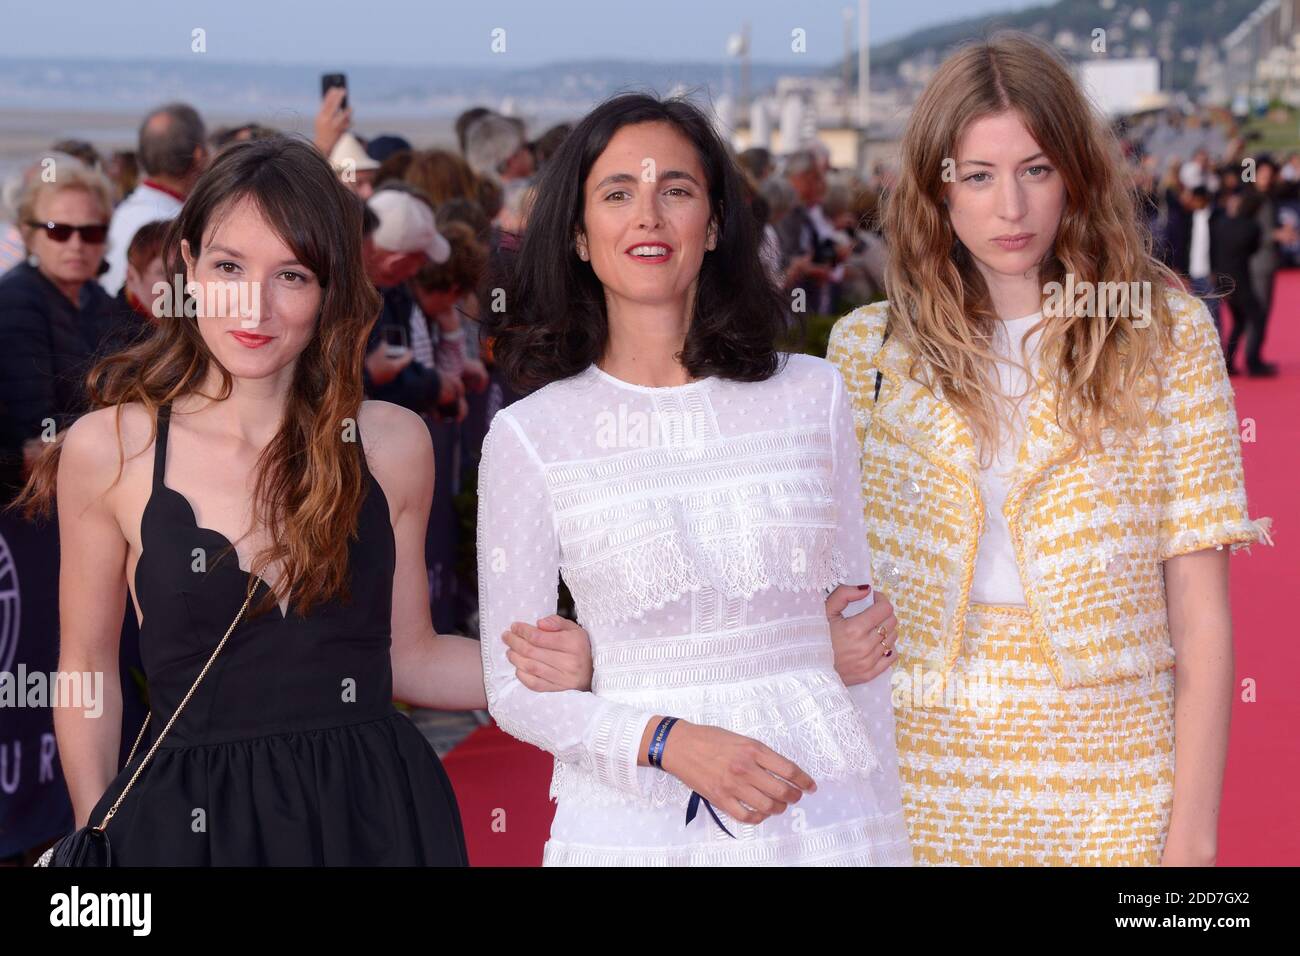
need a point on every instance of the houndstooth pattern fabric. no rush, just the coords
(1001, 767)
(1090, 533)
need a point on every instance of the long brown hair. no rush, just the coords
(940, 306)
(309, 488)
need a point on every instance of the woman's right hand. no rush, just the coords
(728, 769)
(332, 121)
(863, 643)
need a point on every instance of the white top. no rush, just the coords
(698, 528)
(997, 576)
(144, 205)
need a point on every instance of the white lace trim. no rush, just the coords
(740, 515)
(651, 572)
(807, 717)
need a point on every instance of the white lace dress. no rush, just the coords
(698, 528)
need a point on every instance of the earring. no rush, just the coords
(33, 260)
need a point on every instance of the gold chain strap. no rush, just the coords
(252, 586)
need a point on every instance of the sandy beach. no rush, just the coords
(25, 133)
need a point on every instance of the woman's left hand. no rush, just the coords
(554, 655)
(864, 642)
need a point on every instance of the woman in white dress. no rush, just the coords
(700, 494)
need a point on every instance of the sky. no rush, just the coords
(450, 32)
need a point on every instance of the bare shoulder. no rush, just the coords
(92, 447)
(96, 446)
(391, 432)
(399, 451)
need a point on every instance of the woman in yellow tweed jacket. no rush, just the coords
(1043, 728)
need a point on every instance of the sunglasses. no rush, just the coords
(61, 232)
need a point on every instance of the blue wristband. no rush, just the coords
(656, 752)
(656, 756)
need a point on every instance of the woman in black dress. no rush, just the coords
(290, 751)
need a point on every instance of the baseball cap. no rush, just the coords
(349, 153)
(406, 225)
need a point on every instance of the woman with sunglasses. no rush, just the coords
(54, 316)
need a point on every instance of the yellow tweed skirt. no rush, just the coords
(1000, 767)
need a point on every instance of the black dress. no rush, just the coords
(291, 751)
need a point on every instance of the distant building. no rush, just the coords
(803, 108)
(1261, 60)
(1122, 86)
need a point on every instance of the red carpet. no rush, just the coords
(502, 784)
(1260, 822)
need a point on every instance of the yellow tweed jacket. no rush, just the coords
(1090, 534)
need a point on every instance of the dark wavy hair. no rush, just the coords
(554, 323)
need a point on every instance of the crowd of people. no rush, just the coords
(491, 316)
(1223, 218)
(442, 226)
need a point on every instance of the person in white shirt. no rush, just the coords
(700, 493)
(1198, 268)
(173, 153)
(1199, 171)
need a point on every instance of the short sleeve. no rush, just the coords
(518, 573)
(1204, 496)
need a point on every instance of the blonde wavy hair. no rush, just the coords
(1106, 367)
